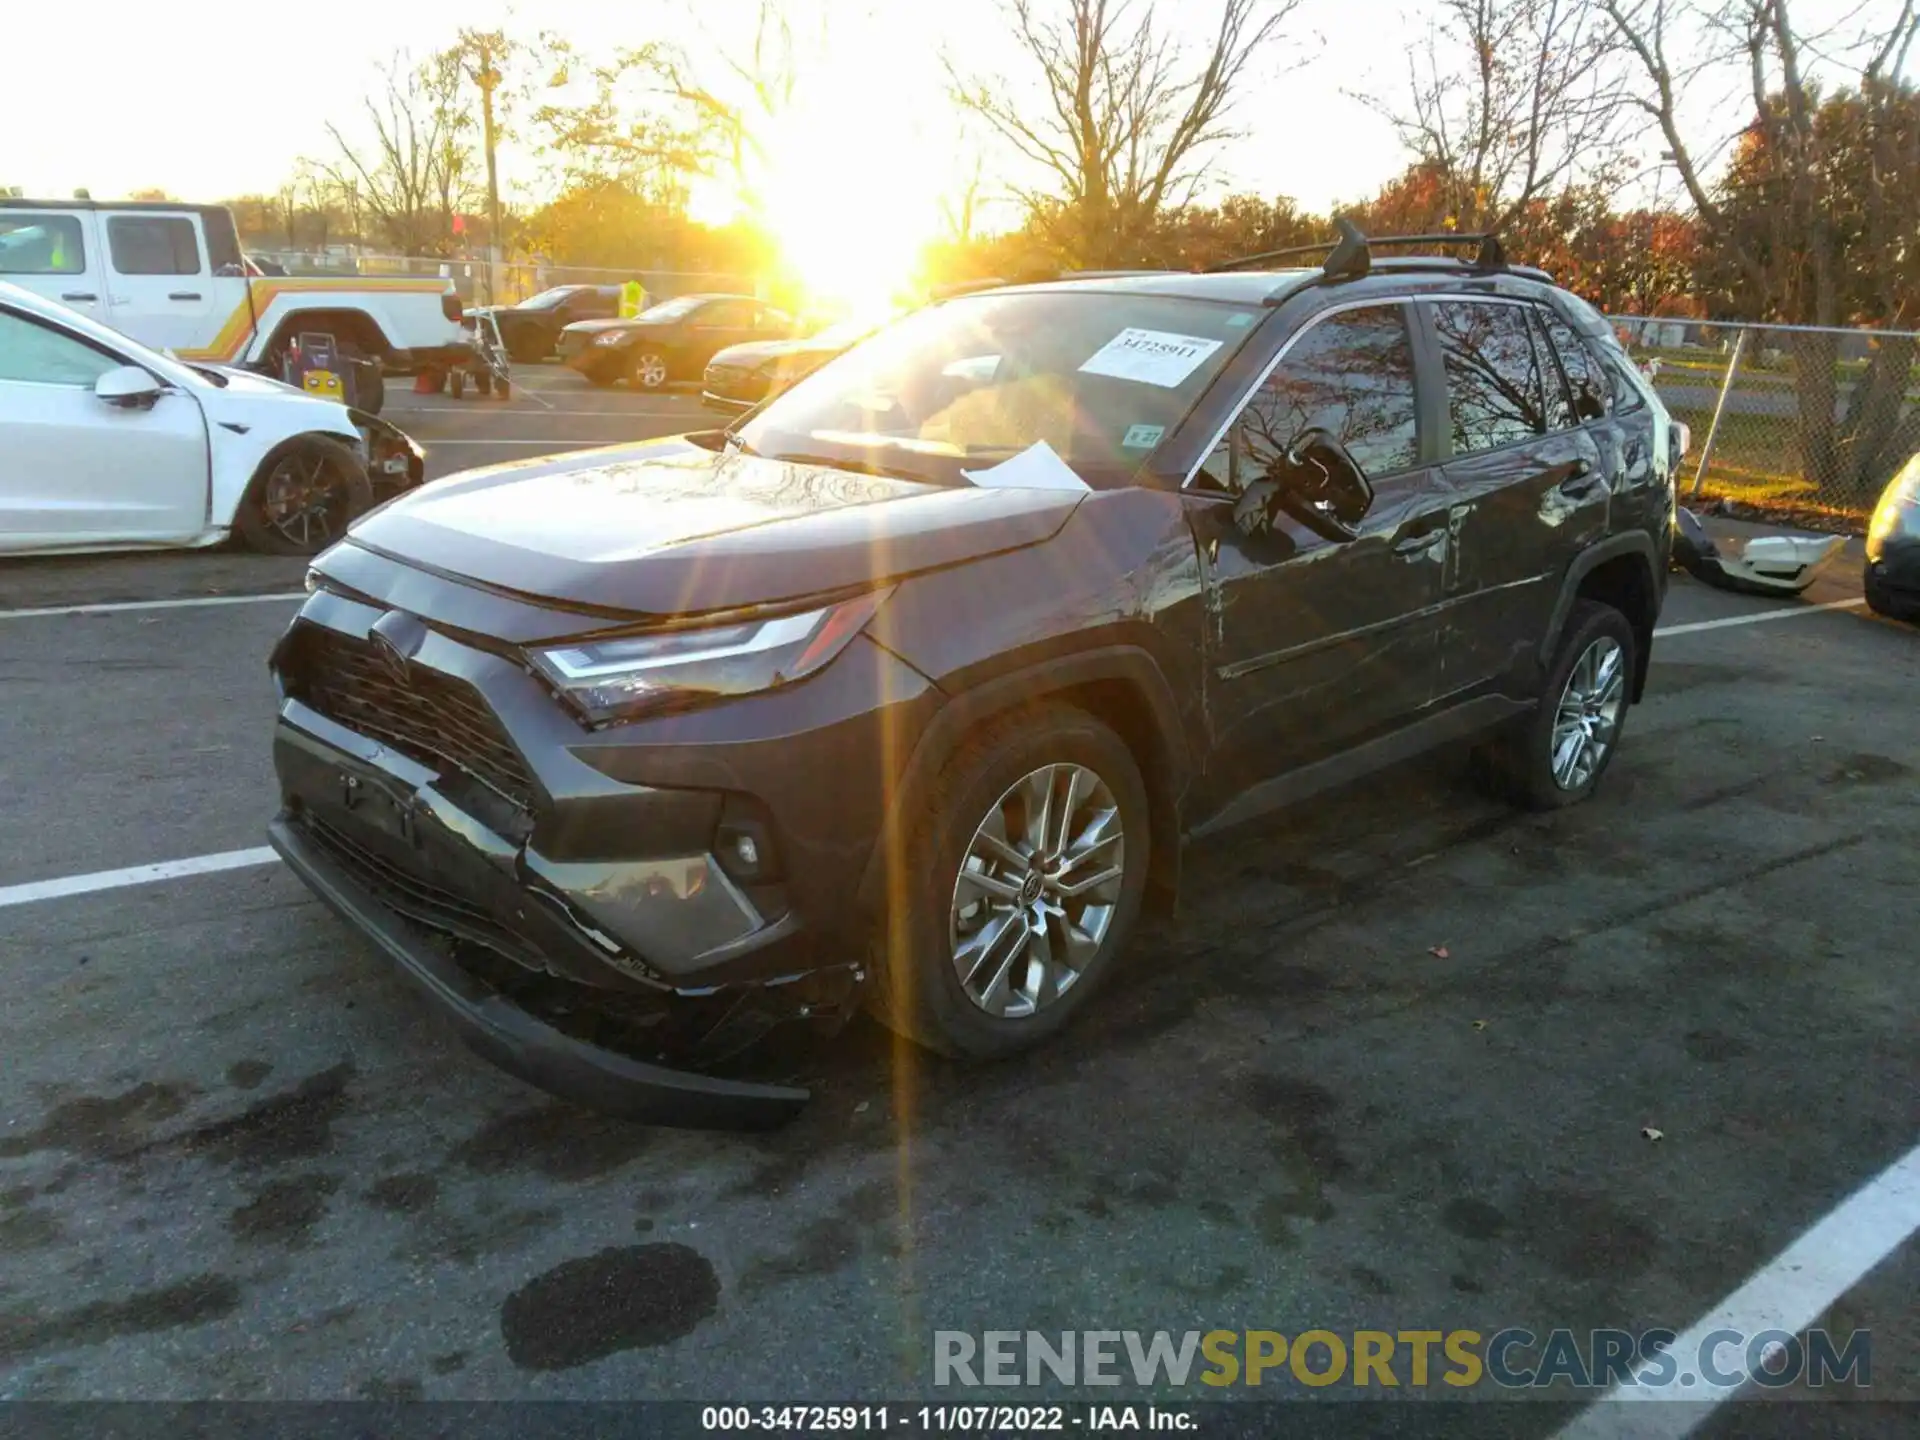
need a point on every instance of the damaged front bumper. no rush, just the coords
(579, 931)
(520, 1043)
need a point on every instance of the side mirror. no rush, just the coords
(129, 387)
(1325, 483)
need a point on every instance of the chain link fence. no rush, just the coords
(1793, 418)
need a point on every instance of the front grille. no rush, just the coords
(429, 717)
(413, 895)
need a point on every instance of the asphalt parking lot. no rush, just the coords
(1392, 1067)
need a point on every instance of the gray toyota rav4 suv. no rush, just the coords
(911, 688)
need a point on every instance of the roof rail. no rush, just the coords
(1350, 253)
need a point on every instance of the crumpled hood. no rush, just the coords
(671, 528)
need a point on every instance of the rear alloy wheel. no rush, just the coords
(1556, 755)
(648, 370)
(1588, 717)
(1017, 886)
(303, 497)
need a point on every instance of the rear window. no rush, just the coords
(1587, 387)
(1495, 393)
(41, 245)
(153, 245)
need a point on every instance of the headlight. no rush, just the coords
(1894, 514)
(611, 337)
(624, 676)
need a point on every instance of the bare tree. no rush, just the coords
(651, 121)
(419, 170)
(1128, 121)
(1795, 256)
(1509, 101)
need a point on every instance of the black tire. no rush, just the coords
(371, 387)
(917, 990)
(369, 384)
(503, 389)
(349, 493)
(1518, 764)
(483, 382)
(642, 375)
(457, 384)
(1883, 602)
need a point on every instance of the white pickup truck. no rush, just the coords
(173, 277)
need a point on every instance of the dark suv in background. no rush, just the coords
(910, 690)
(531, 328)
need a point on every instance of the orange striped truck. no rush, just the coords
(173, 277)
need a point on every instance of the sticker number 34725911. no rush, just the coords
(1152, 357)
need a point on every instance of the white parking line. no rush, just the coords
(1787, 613)
(120, 606)
(1789, 1294)
(134, 875)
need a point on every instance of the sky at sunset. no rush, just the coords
(205, 104)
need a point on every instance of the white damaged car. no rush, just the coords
(108, 445)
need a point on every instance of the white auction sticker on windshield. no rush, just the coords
(1152, 357)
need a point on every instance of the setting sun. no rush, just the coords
(848, 186)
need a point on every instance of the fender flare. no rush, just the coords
(1635, 543)
(262, 342)
(1167, 772)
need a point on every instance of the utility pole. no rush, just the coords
(483, 51)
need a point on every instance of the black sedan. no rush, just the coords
(1893, 547)
(530, 328)
(672, 341)
(741, 376)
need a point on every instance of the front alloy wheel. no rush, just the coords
(1589, 713)
(649, 370)
(1037, 891)
(304, 496)
(1012, 890)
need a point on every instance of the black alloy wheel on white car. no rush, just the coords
(303, 497)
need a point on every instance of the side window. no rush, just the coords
(1495, 395)
(1586, 384)
(1626, 393)
(41, 245)
(1351, 375)
(153, 245)
(724, 315)
(43, 355)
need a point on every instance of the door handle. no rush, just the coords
(81, 295)
(1581, 480)
(1422, 544)
(184, 295)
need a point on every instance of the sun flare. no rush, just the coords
(849, 195)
